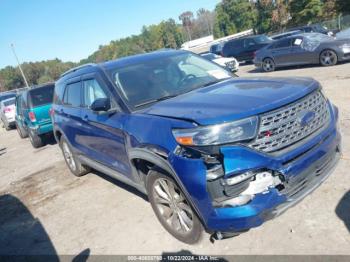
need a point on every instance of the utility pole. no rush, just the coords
(19, 65)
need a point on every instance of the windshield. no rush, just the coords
(163, 77)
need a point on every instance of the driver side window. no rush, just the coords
(92, 91)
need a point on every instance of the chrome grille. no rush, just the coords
(281, 128)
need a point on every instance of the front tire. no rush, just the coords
(172, 208)
(328, 58)
(72, 162)
(268, 65)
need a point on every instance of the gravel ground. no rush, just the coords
(46, 210)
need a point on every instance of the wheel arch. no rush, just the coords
(145, 155)
(327, 49)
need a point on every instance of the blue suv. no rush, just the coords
(212, 152)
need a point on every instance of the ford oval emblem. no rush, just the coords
(306, 117)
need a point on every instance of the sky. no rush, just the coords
(73, 29)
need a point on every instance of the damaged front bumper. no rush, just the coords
(295, 174)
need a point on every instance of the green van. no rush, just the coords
(33, 113)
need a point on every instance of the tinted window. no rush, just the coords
(3, 97)
(9, 102)
(282, 43)
(72, 96)
(92, 91)
(249, 42)
(41, 95)
(23, 103)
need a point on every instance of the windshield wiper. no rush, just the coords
(155, 100)
(214, 82)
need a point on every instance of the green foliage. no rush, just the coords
(166, 34)
(343, 6)
(264, 15)
(234, 16)
(305, 11)
(36, 73)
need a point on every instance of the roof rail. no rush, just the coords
(77, 68)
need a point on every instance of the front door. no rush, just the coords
(103, 138)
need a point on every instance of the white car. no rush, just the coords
(230, 63)
(8, 112)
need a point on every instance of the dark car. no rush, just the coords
(33, 113)
(285, 34)
(211, 151)
(311, 48)
(216, 48)
(243, 49)
(315, 28)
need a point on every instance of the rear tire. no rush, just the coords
(328, 58)
(7, 127)
(36, 140)
(268, 65)
(172, 208)
(72, 162)
(22, 133)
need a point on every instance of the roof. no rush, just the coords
(135, 59)
(120, 62)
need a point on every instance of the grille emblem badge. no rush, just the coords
(306, 118)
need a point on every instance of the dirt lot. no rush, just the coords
(45, 209)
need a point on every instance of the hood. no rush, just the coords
(233, 99)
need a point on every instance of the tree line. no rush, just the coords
(228, 17)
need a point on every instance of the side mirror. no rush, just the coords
(101, 105)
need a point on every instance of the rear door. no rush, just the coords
(70, 112)
(40, 101)
(102, 136)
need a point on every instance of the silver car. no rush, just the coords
(302, 49)
(8, 112)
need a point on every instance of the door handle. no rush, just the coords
(86, 118)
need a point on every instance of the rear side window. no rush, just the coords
(72, 95)
(249, 42)
(41, 96)
(232, 46)
(282, 43)
(92, 91)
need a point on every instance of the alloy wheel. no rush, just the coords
(328, 57)
(68, 156)
(172, 205)
(268, 65)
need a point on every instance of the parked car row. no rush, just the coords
(212, 152)
(312, 44)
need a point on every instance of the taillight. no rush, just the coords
(7, 109)
(51, 111)
(32, 116)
